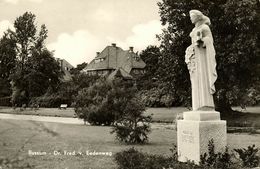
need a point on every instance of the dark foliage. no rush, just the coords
(7, 63)
(151, 91)
(158, 97)
(50, 101)
(216, 160)
(132, 126)
(149, 79)
(82, 80)
(7, 56)
(235, 26)
(249, 156)
(5, 101)
(134, 159)
(42, 72)
(92, 104)
(64, 92)
(5, 88)
(114, 102)
(15, 163)
(80, 67)
(35, 68)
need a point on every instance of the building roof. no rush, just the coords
(113, 57)
(65, 62)
(119, 72)
(65, 67)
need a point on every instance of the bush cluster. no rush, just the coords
(157, 97)
(216, 160)
(15, 163)
(249, 156)
(5, 101)
(51, 101)
(114, 103)
(133, 126)
(134, 159)
(92, 104)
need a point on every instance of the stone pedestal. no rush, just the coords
(196, 130)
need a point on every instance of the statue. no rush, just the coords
(201, 62)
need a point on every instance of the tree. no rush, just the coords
(42, 72)
(150, 56)
(7, 63)
(35, 70)
(83, 80)
(132, 126)
(7, 56)
(26, 38)
(92, 104)
(152, 92)
(104, 102)
(65, 92)
(235, 27)
(76, 71)
(114, 102)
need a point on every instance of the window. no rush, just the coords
(99, 60)
(136, 71)
(136, 57)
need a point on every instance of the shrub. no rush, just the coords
(249, 156)
(130, 159)
(5, 101)
(18, 97)
(133, 126)
(114, 102)
(65, 92)
(53, 101)
(216, 160)
(157, 97)
(15, 163)
(92, 104)
(5, 87)
(133, 159)
(83, 80)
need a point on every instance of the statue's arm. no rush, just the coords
(206, 36)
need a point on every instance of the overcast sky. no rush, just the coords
(80, 28)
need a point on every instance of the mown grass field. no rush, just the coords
(18, 137)
(249, 117)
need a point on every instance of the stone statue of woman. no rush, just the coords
(201, 62)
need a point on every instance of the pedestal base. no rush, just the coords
(195, 132)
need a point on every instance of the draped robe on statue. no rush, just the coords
(201, 62)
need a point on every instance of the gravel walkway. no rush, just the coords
(41, 118)
(68, 120)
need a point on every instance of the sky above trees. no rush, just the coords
(80, 28)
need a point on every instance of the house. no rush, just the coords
(114, 61)
(65, 68)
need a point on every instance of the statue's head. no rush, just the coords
(197, 16)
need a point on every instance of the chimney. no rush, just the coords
(131, 49)
(98, 54)
(114, 44)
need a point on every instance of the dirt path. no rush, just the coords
(68, 120)
(41, 118)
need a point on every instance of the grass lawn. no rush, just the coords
(69, 112)
(16, 135)
(248, 118)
